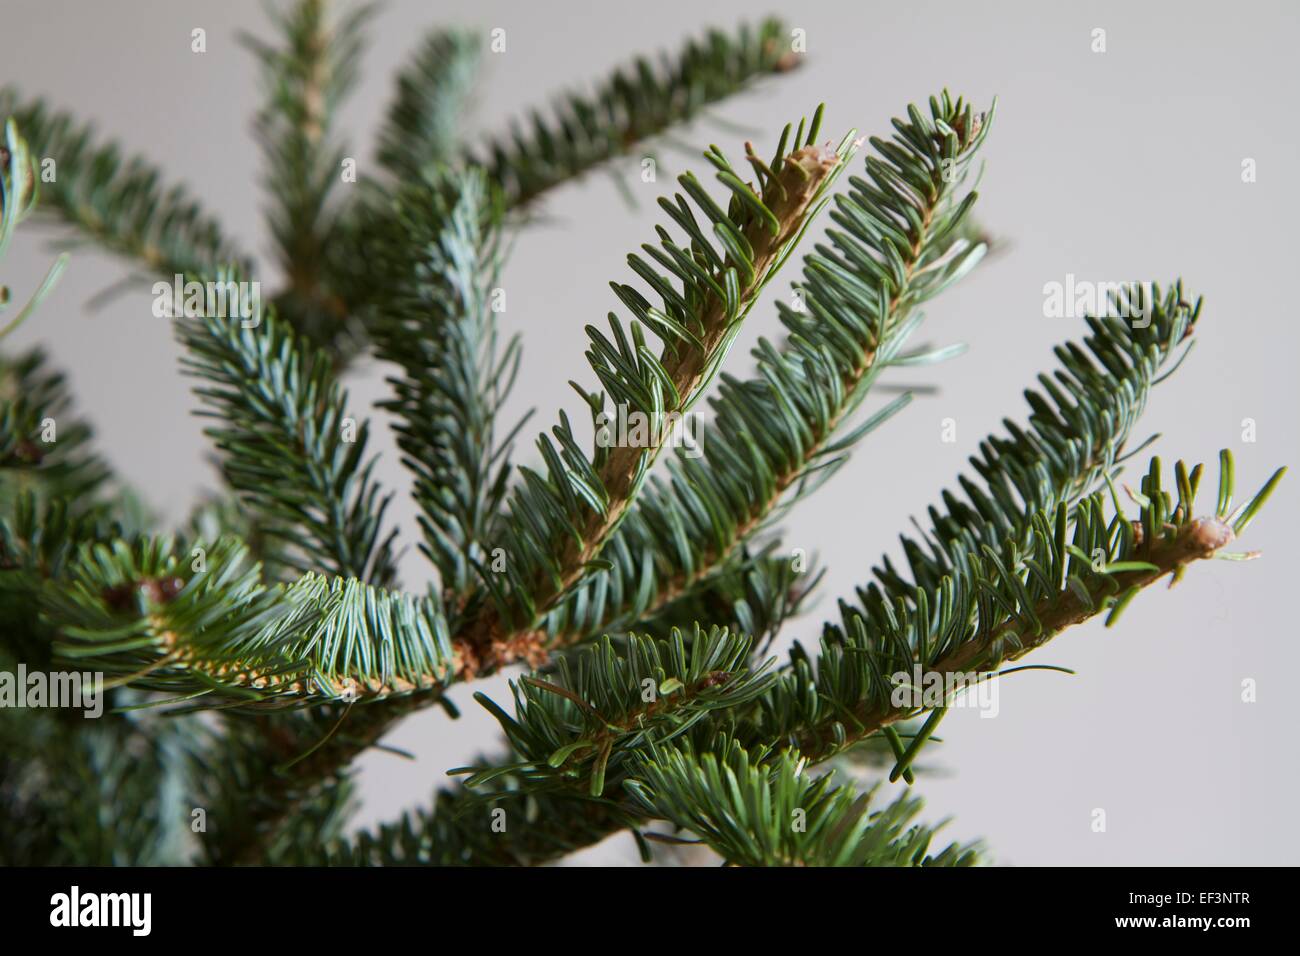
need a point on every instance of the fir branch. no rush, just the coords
(51, 482)
(44, 446)
(631, 106)
(306, 77)
(1006, 602)
(776, 437)
(422, 126)
(39, 537)
(197, 622)
(118, 202)
(1079, 424)
(200, 625)
(583, 133)
(573, 734)
(1076, 435)
(436, 322)
(458, 831)
(560, 522)
(274, 779)
(664, 719)
(1068, 444)
(1079, 564)
(580, 723)
(755, 811)
(290, 447)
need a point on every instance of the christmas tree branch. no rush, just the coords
(573, 731)
(290, 447)
(120, 203)
(1064, 578)
(773, 439)
(43, 444)
(51, 482)
(1004, 604)
(196, 620)
(583, 133)
(422, 126)
(560, 522)
(106, 792)
(753, 809)
(306, 78)
(1076, 434)
(630, 107)
(437, 323)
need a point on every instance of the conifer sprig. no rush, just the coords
(630, 107)
(289, 445)
(44, 445)
(572, 724)
(422, 128)
(776, 437)
(755, 811)
(1004, 601)
(582, 132)
(1080, 563)
(1035, 478)
(51, 481)
(559, 522)
(675, 713)
(120, 203)
(306, 76)
(196, 620)
(437, 323)
(98, 793)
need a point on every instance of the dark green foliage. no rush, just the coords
(620, 117)
(277, 609)
(119, 202)
(630, 107)
(1079, 563)
(43, 446)
(422, 128)
(288, 442)
(580, 723)
(1078, 427)
(1077, 560)
(708, 283)
(775, 814)
(437, 323)
(199, 621)
(777, 436)
(306, 77)
(79, 791)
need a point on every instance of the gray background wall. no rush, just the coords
(1110, 166)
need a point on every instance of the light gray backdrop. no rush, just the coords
(1115, 166)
